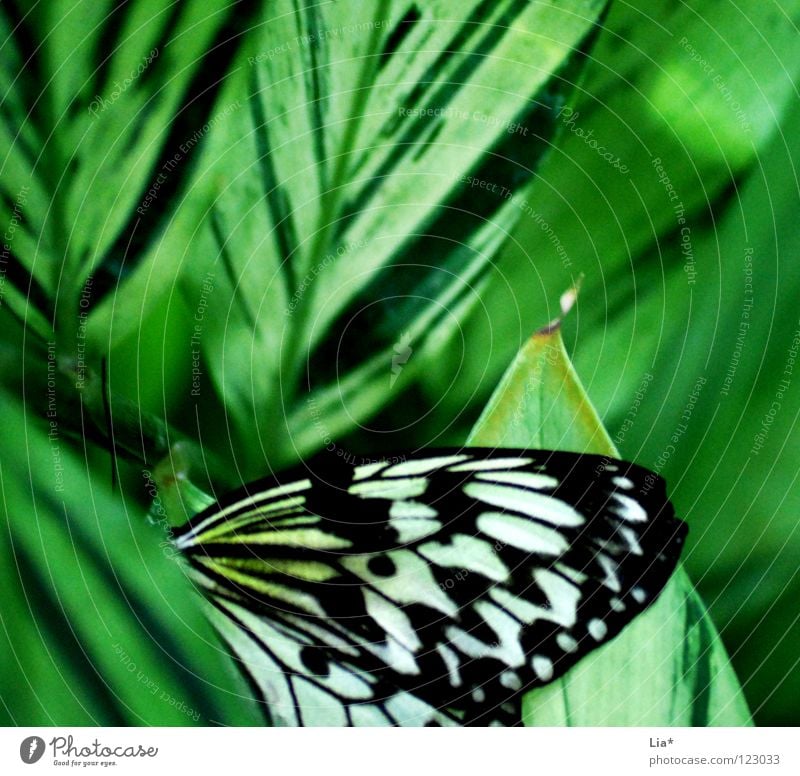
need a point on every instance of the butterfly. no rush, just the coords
(431, 589)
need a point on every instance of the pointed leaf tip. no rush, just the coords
(566, 302)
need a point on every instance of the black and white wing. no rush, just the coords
(433, 590)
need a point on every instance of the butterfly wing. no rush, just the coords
(433, 590)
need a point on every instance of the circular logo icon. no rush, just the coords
(31, 749)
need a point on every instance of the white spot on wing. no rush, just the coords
(522, 533)
(507, 649)
(322, 633)
(522, 479)
(410, 711)
(562, 595)
(610, 568)
(451, 662)
(629, 509)
(317, 707)
(393, 489)
(510, 680)
(411, 509)
(523, 610)
(411, 583)
(467, 643)
(546, 508)
(508, 632)
(395, 655)
(597, 629)
(368, 715)
(562, 598)
(639, 595)
(578, 577)
(368, 469)
(413, 530)
(566, 642)
(467, 552)
(411, 520)
(542, 667)
(623, 482)
(392, 619)
(631, 538)
(491, 464)
(422, 466)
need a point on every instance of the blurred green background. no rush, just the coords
(263, 231)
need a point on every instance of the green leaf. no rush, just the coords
(645, 335)
(105, 103)
(735, 483)
(337, 215)
(98, 624)
(621, 231)
(668, 667)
